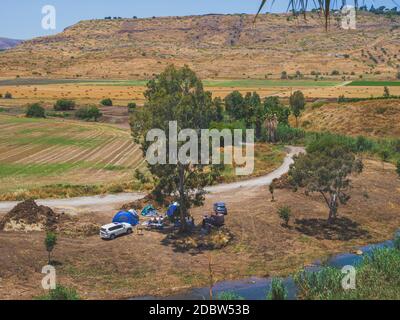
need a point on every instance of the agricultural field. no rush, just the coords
(373, 83)
(37, 153)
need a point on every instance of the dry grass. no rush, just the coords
(215, 46)
(376, 118)
(145, 264)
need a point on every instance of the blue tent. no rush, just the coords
(127, 217)
(172, 209)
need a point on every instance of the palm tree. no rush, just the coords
(326, 7)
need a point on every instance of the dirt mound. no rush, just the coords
(28, 216)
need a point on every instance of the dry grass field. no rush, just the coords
(35, 153)
(376, 118)
(215, 46)
(261, 246)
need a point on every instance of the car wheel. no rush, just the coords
(112, 237)
(129, 231)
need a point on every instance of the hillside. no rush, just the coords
(6, 43)
(378, 118)
(215, 46)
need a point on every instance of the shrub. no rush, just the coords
(398, 167)
(285, 213)
(35, 111)
(131, 107)
(335, 73)
(396, 241)
(398, 75)
(61, 293)
(278, 290)
(8, 95)
(287, 134)
(88, 113)
(106, 102)
(228, 295)
(64, 105)
(284, 75)
(50, 242)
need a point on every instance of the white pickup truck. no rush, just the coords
(115, 229)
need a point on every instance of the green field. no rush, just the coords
(239, 83)
(367, 83)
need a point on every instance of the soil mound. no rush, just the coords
(150, 199)
(28, 216)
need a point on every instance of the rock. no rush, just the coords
(359, 252)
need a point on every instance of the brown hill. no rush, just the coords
(376, 118)
(216, 46)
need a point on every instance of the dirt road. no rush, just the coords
(112, 201)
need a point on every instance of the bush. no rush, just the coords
(228, 295)
(61, 293)
(278, 290)
(398, 75)
(8, 95)
(35, 111)
(398, 167)
(335, 73)
(285, 213)
(287, 134)
(396, 242)
(64, 105)
(106, 102)
(88, 113)
(131, 107)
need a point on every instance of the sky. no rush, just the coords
(22, 19)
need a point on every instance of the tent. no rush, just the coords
(149, 211)
(128, 217)
(172, 209)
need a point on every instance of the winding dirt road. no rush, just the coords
(112, 201)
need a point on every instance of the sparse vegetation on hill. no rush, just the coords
(146, 46)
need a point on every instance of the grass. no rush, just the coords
(372, 83)
(377, 277)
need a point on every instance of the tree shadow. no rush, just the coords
(197, 241)
(340, 229)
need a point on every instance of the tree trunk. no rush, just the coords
(297, 122)
(182, 201)
(333, 207)
(49, 257)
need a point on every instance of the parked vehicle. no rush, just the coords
(115, 229)
(220, 208)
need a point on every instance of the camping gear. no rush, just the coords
(149, 211)
(172, 210)
(217, 220)
(220, 208)
(127, 217)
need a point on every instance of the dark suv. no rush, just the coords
(220, 208)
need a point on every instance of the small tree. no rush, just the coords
(8, 95)
(398, 75)
(278, 290)
(50, 242)
(326, 169)
(384, 154)
(297, 104)
(106, 102)
(35, 110)
(272, 191)
(132, 107)
(64, 105)
(284, 75)
(386, 92)
(285, 213)
(88, 113)
(398, 168)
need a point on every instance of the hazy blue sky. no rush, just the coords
(21, 19)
